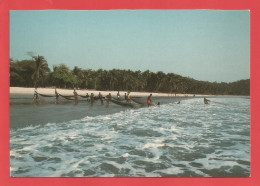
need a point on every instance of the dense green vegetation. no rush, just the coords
(36, 73)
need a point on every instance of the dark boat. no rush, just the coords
(68, 97)
(122, 103)
(136, 97)
(119, 98)
(137, 100)
(84, 96)
(44, 95)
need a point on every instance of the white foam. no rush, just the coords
(27, 149)
(172, 170)
(12, 169)
(88, 118)
(125, 155)
(93, 140)
(153, 145)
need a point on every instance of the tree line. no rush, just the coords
(35, 72)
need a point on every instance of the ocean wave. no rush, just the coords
(190, 139)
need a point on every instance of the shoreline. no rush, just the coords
(51, 91)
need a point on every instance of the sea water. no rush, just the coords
(189, 139)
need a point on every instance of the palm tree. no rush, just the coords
(97, 78)
(146, 75)
(160, 80)
(88, 81)
(80, 76)
(113, 77)
(41, 69)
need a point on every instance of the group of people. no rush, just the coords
(107, 98)
(36, 97)
(128, 98)
(92, 97)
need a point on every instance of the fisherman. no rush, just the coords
(125, 97)
(108, 98)
(36, 97)
(92, 98)
(149, 100)
(118, 95)
(88, 97)
(206, 101)
(128, 97)
(100, 97)
(57, 97)
(75, 96)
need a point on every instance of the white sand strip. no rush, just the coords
(51, 91)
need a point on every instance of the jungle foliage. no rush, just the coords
(35, 72)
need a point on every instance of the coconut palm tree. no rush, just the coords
(160, 80)
(113, 79)
(80, 76)
(40, 70)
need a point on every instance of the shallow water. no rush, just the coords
(187, 140)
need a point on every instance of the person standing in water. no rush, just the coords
(75, 96)
(57, 97)
(118, 96)
(88, 97)
(100, 97)
(36, 97)
(206, 101)
(128, 96)
(92, 99)
(125, 97)
(149, 100)
(108, 98)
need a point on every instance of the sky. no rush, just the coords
(206, 45)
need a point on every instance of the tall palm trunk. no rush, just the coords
(40, 65)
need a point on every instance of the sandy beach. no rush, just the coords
(51, 91)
